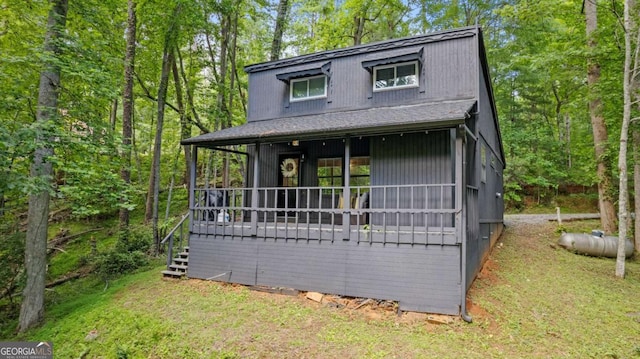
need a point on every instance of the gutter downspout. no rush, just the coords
(461, 179)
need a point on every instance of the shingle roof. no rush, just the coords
(370, 121)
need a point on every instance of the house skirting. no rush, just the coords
(422, 278)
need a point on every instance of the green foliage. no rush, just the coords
(137, 239)
(129, 253)
(115, 263)
(12, 259)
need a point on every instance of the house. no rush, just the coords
(370, 171)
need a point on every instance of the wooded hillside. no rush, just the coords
(103, 91)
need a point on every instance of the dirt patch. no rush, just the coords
(488, 272)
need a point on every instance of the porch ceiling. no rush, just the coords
(371, 121)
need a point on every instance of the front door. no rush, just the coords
(288, 179)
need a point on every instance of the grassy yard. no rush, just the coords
(531, 300)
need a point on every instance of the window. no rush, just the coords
(359, 171)
(330, 172)
(308, 88)
(395, 76)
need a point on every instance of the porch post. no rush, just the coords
(254, 191)
(192, 185)
(346, 191)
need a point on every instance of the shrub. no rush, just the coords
(113, 263)
(135, 239)
(12, 259)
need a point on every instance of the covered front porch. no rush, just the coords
(394, 188)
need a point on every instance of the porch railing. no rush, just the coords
(415, 214)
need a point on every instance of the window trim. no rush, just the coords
(307, 79)
(395, 66)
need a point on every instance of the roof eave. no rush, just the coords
(364, 131)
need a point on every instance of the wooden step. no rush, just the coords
(183, 254)
(182, 261)
(179, 267)
(173, 274)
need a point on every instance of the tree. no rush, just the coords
(630, 80)
(281, 19)
(32, 310)
(127, 108)
(154, 176)
(600, 136)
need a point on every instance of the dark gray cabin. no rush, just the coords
(371, 171)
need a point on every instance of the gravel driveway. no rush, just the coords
(510, 219)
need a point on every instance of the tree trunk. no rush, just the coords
(281, 19)
(127, 111)
(635, 86)
(154, 177)
(624, 134)
(358, 29)
(185, 127)
(32, 309)
(605, 181)
(223, 110)
(113, 116)
(636, 184)
(151, 212)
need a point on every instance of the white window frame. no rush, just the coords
(306, 79)
(395, 67)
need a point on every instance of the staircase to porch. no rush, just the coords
(177, 252)
(179, 265)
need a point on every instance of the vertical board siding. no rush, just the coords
(447, 66)
(227, 260)
(425, 279)
(413, 158)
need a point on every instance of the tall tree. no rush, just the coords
(32, 310)
(127, 109)
(631, 42)
(600, 136)
(281, 20)
(154, 176)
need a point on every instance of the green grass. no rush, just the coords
(531, 301)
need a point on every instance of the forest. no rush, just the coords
(97, 95)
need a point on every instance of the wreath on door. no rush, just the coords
(289, 167)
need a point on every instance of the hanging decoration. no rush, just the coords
(289, 167)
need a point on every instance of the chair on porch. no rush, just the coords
(357, 202)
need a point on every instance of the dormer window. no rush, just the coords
(395, 76)
(308, 83)
(308, 88)
(395, 72)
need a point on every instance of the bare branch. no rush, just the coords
(148, 94)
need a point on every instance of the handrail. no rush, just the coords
(184, 217)
(169, 237)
